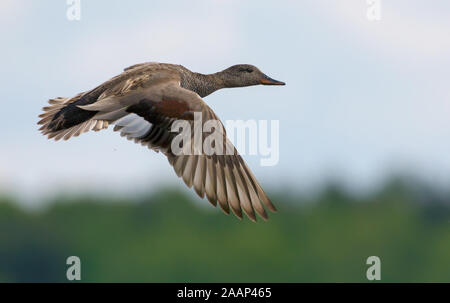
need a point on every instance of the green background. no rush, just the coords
(169, 236)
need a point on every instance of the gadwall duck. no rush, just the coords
(144, 101)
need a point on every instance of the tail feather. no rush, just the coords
(63, 119)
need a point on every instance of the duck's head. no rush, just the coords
(246, 75)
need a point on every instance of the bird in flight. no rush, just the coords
(144, 101)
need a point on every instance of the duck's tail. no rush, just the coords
(63, 119)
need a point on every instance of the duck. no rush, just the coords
(144, 102)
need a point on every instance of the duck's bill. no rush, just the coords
(269, 81)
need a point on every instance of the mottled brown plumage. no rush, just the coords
(143, 103)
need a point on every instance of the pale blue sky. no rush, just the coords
(363, 99)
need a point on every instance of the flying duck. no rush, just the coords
(144, 101)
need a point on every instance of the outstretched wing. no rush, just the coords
(146, 117)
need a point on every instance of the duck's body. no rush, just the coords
(144, 101)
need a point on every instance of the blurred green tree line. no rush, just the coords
(167, 237)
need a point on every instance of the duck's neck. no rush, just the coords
(202, 84)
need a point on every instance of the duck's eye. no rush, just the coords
(248, 70)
